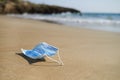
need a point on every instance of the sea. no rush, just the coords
(95, 21)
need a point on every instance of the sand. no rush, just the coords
(87, 54)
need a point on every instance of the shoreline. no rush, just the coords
(69, 25)
(87, 54)
(93, 24)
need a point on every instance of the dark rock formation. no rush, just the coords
(1, 7)
(27, 7)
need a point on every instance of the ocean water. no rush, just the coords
(96, 21)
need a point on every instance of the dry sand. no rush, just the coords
(87, 54)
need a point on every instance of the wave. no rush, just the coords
(70, 18)
(105, 22)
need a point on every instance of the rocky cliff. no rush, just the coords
(27, 7)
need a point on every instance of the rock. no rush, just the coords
(27, 7)
(10, 8)
(1, 8)
(24, 7)
(46, 9)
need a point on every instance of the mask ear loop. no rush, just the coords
(60, 62)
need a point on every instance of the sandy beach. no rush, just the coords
(87, 54)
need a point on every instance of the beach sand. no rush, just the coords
(87, 54)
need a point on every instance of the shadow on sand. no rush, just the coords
(31, 61)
